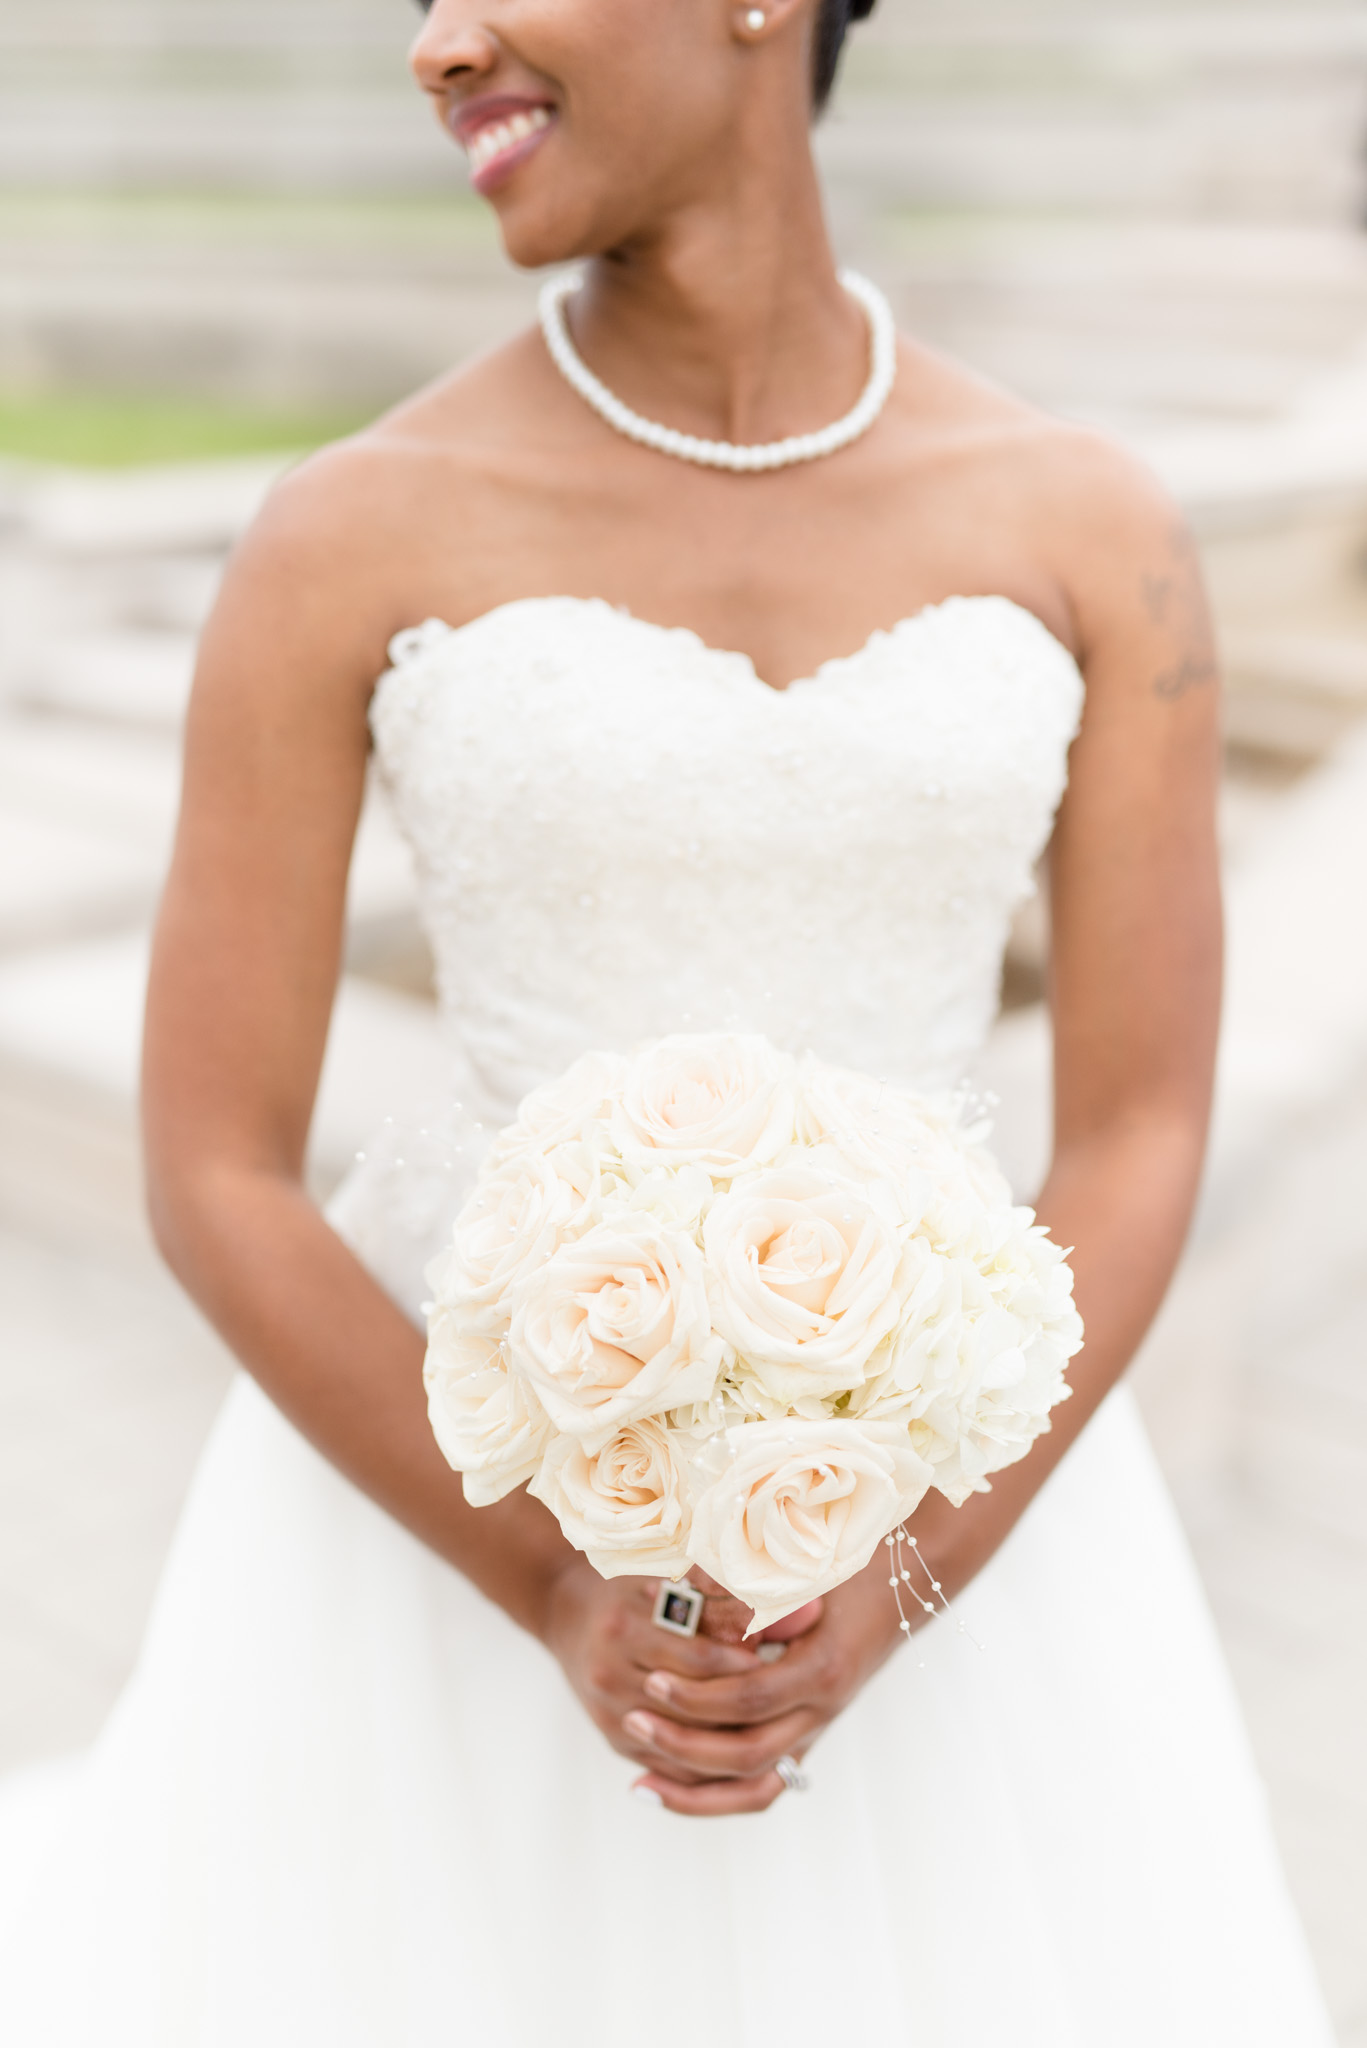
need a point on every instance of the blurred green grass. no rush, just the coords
(116, 430)
(203, 222)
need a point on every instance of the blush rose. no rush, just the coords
(613, 1326)
(791, 1509)
(624, 1506)
(722, 1102)
(804, 1276)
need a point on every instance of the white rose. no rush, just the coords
(488, 1425)
(874, 1128)
(677, 1197)
(804, 1279)
(932, 1371)
(918, 1142)
(923, 1354)
(562, 1110)
(714, 1100)
(1025, 1268)
(972, 1378)
(798, 1507)
(624, 1506)
(615, 1325)
(991, 1421)
(1019, 1350)
(513, 1221)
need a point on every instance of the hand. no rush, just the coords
(607, 1644)
(712, 1739)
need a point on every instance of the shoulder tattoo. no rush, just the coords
(1174, 600)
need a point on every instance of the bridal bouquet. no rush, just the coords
(716, 1306)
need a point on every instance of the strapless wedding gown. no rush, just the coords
(345, 1801)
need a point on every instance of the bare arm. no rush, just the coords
(244, 968)
(245, 965)
(1135, 997)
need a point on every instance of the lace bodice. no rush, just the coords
(621, 831)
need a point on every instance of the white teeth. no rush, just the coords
(500, 135)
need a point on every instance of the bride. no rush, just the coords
(703, 740)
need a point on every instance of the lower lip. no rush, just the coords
(501, 167)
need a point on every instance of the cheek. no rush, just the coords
(648, 92)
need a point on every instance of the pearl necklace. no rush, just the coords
(729, 454)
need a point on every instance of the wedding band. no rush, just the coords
(792, 1774)
(678, 1607)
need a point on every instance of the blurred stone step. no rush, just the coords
(105, 778)
(1293, 694)
(59, 880)
(138, 679)
(69, 1168)
(286, 341)
(170, 509)
(1165, 145)
(1296, 989)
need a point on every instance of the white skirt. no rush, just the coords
(345, 1801)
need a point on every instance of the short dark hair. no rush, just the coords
(832, 22)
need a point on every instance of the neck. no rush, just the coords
(728, 320)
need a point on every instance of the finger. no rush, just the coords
(661, 1767)
(716, 1753)
(720, 1796)
(646, 1759)
(724, 1622)
(738, 1699)
(692, 1657)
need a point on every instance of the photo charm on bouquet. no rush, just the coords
(678, 1607)
(724, 1308)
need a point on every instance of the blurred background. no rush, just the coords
(228, 230)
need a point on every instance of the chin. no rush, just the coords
(533, 240)
(538, 231)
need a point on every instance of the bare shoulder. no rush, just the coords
(1097, 528)
(1082, 487)
(370, 492)
(1125, 561)
(341, 554)
(1125, 556)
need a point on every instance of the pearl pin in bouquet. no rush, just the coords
(724, 1308)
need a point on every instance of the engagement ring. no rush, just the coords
(792, 1774)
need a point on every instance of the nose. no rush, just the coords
(451, 46)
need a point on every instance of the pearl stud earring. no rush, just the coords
(754, 20)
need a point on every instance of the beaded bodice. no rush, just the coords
(621, 832)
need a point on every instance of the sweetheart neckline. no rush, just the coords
(928, 612)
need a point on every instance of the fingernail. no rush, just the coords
(659, 1685)
(647, 1795)
(641, 1726)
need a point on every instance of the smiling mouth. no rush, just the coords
(497, 143)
